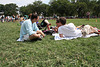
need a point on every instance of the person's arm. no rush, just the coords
(61, 35)
(56, 29)
(79, 26)
(60, 32)
(36, 27)
(29, 29)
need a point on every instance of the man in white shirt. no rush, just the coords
(67, 29)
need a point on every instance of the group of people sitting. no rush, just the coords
(31, 28)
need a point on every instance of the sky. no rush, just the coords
(21, 2)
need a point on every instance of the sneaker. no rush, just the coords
(36, 39)
(39, 38)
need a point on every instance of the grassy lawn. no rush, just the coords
(81, 52)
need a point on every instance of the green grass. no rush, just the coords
(81, 52)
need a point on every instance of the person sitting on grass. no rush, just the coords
(44, 23)
(21, 20)
(30, 27)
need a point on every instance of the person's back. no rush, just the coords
(28, 27)
(69, 30)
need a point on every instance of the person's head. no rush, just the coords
(34, 18)
(61, 21)
(29, 16)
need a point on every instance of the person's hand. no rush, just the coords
(44, 35)
(61, 35)
(39, 35)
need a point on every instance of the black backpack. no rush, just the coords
(48, 32)
(43, 24)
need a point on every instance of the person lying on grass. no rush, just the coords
(30, 27)
(88, 29)
(71, 30)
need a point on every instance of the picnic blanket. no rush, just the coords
(25, 37)
(57, 37)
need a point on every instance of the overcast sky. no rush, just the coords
(21, 2)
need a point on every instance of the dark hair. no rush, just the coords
(57, 21)
(62, 20)
(29, 16)
(34, 16)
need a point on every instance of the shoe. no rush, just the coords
(36, 39)
(39, 38)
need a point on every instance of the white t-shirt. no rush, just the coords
(69, 30)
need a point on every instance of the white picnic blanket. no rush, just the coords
(25, 37)
(57, 37)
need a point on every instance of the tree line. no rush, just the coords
(58, 7)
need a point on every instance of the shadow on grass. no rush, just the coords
(34, 40)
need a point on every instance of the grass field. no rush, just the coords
(81, 52)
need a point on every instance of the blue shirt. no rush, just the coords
(28, 28)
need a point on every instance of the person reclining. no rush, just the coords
(87, 29)
(71, 30)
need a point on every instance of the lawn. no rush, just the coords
(81, 52)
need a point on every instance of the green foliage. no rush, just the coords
(26, 10)
(1, 8)
(81, 52)
(59, 7)
(63, 8)
(97, 10)
(81, 8)
(10, 9)
(37, 6)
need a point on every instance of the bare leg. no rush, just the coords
(40, 32)
(33, 36)
(48, 27)
(93, 30)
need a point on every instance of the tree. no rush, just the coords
(81, 9)
(37, 6)
(59, 7)
(10, 9)
(1, 8)
(98, 2)
(44, 9)
(97, 10)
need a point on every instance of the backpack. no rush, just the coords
(43, 24)
(48, 32)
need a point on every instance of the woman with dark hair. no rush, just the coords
(29, 27)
